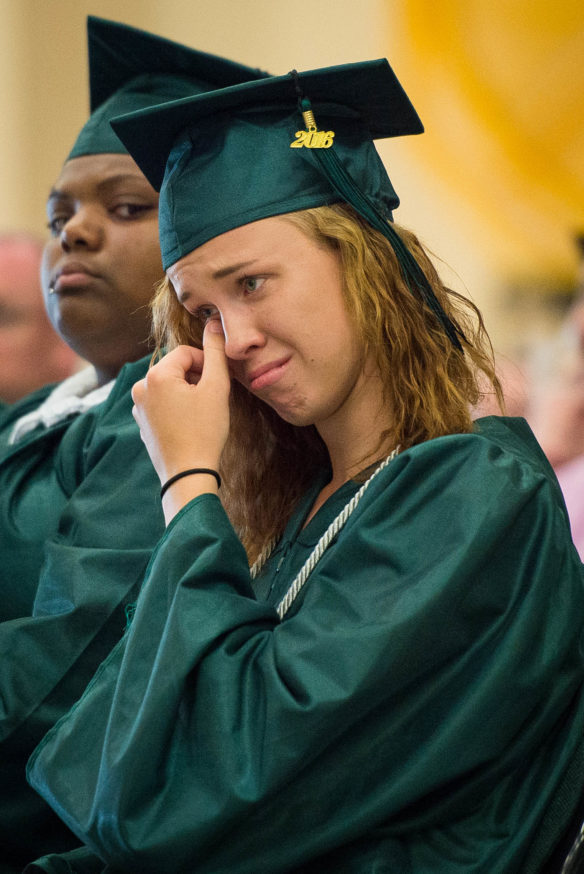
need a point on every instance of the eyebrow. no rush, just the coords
(55, 194)
(227, 271)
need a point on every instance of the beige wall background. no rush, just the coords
(484, 244)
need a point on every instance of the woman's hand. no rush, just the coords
(182, 409)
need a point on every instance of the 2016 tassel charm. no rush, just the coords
(312, 138)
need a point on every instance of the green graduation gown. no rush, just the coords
(88, 569)
(415, 712)
(31, 499)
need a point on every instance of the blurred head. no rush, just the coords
(555, 408)
(32, 355)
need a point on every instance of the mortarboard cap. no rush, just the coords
(223, 159)
(130, 69)
(234, 156)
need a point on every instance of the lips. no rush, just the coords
(73, 274)
(267, 374)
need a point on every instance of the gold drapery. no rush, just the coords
(499, 85)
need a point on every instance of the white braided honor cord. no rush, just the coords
(571, 866)
(318, 551)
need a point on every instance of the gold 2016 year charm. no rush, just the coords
(312, 138)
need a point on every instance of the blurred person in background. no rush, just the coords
(31, 352)
(558, 417)
(545, 385)
(556, 411)
(511, 371)
(555, 404)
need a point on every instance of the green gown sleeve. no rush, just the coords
(93, 567)
(32, 496)
(80, 859)
(415, 711)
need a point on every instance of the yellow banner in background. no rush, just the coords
(499, 85)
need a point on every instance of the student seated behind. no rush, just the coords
(32, 354)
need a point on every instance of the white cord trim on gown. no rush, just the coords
(323, 543)
(569, 865)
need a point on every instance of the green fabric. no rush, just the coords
(130, 69)
(93, 563)
(228, 158)
(67, 863)
(32, 495)
(97, 137)
(416, 711)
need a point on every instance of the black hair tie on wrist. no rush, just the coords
(189, 472)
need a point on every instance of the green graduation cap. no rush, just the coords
(130, 69)
(277, 145)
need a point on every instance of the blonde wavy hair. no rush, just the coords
(429, 385)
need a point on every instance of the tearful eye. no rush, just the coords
(204, 314)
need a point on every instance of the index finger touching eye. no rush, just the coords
(213, 335)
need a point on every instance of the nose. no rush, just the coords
(82, 230)
(242, 335)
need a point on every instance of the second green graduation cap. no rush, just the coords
(130, 69)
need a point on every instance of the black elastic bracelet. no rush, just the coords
(192, 470)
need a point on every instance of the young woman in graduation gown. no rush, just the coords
(397, 683)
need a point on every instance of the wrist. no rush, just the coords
(189, 472)
(178, 493)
